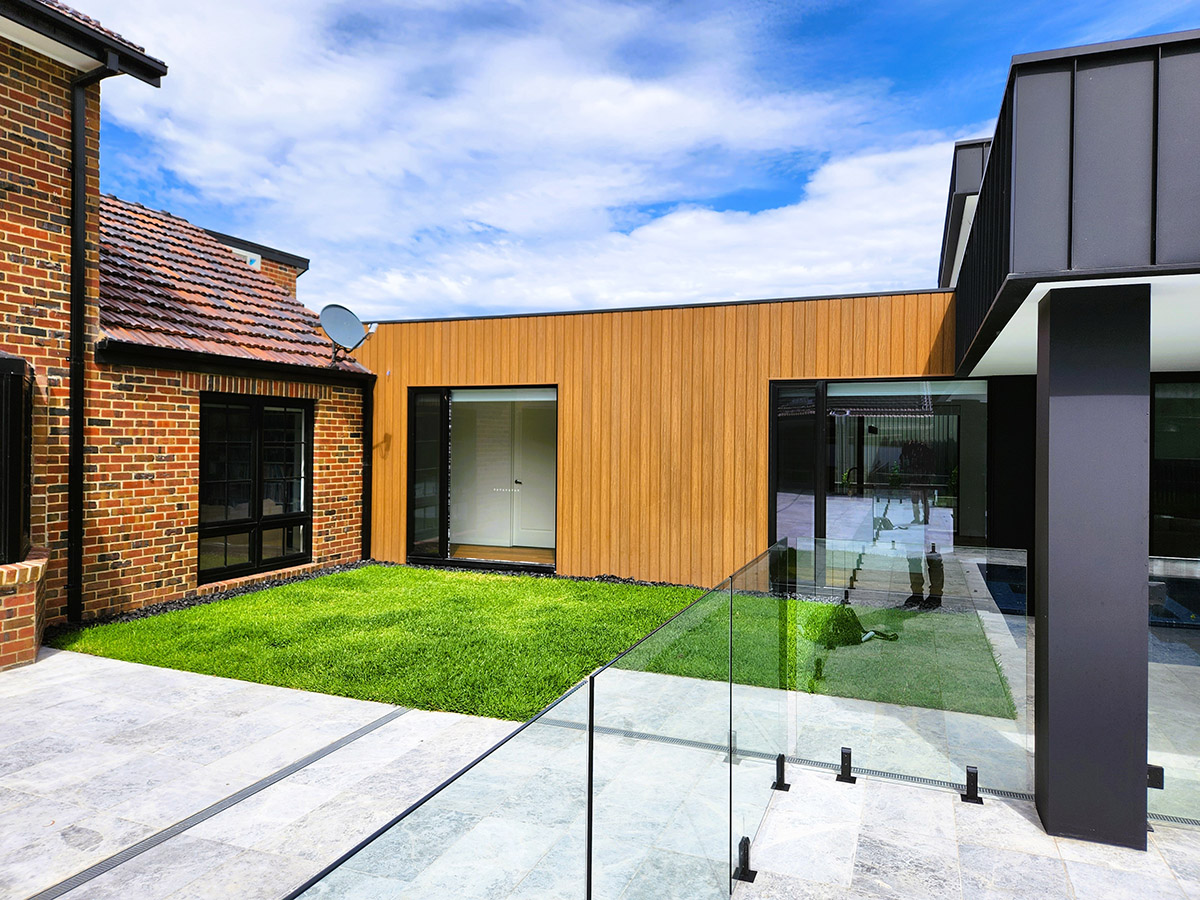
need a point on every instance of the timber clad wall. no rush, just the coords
(662, 414)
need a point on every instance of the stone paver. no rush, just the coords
(97, 754)
(103, 753)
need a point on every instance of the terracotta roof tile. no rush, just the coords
(166, 283)
(91, 23)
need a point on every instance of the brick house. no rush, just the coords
(187, 427)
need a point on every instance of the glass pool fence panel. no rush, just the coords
(660, 779)
(916, 659)
(511, 824)
(759, 692)
(1173, 727)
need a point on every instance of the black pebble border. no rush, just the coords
(157, 609)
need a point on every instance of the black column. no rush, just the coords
(1092, 544)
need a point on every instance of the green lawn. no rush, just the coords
(938, 660)
(505, 646)
(484, 644)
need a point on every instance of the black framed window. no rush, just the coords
(255, 486)
(16, 457)
(1175, 466)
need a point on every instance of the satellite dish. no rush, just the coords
(342, 326)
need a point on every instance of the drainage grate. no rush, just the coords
(959, 787)
(1173, 820)
(220, 806)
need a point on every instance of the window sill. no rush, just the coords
(216, 587)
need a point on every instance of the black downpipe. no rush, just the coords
(78, 333)
(368, 452)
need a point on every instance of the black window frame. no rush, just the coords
(1155, 486)
(16, 457)
(441, 395)
(256, 523)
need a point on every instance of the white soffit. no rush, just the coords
(964, 233)
(1174, 327)
(27, 37)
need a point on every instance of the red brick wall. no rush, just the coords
(35, 191)
(141, 454)
(142, 510)
(284, 276)
(22, 609)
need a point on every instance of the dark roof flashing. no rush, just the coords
(601, 310)
(279, 256)
(1138, 43)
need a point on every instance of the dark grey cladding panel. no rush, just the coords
(1114, 163)
(1179, 156)
(968, 169)
(1041, 170)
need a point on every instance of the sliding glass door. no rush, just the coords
(901, 461)
(483, 474)
(1175, 470)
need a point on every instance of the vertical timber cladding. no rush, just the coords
(662, 413)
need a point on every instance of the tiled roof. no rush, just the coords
(166, 283)
(91, 23)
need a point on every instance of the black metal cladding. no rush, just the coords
(1094, 172)
(985, 261)
(16, 456)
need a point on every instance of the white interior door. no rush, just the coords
(481, 479)
(534, 473)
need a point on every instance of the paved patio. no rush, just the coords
(97, 755)
(106, 754)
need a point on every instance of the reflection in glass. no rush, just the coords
(1175, 471)
(428, 442)
(795, 460)
(908, 463)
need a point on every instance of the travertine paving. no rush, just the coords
(98, 754)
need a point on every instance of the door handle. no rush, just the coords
(517, 481)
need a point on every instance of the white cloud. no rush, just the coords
(870, 222)
(435, 157)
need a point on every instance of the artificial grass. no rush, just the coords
(478, 643)
(938, 660)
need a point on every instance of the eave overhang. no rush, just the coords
(73, 43)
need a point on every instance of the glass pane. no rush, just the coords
(661, 759)
(1173, 730)
(283, 425)
(918, 662)
(1175, 471)
(237, 549)
(238, 503)
(281, 497)
(272, 541)
(897, 453)
(239, 421)
(240, 452)
(293, 540)
(426, 444)
(212, 553)
(513, 825)
(759, 701)
(213, 422)
(796, 480)
(212, 501)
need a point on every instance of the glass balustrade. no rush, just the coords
(660, 769)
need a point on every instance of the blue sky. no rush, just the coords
(435, 157)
